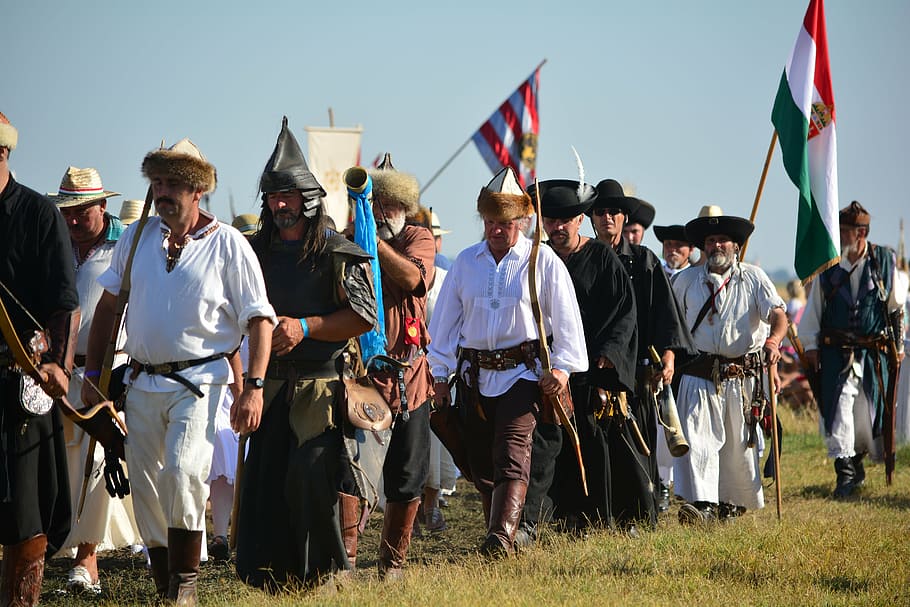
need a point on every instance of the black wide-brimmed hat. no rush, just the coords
(643, 215)
(674, 232)
(561, 199)
(611, 195)
(737, 228)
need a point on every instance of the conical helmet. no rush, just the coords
(287, 170)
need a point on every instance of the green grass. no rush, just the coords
(821, 552)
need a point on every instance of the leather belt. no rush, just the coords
(508, 358)
(170, 369)
(841, 338)
(714, 367)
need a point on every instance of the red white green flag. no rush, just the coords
(803, 116)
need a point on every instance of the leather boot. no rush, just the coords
(846, 477)
(183, 550)
(486, 500)
(158, 558)
(505, 512)
(396, 537)
(859, 470)
(23, 572)
(349, 517)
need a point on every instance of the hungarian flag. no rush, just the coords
(803, 116)
(509, 137)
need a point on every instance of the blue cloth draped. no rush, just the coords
(372, 342)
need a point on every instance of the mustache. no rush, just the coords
(167, 199)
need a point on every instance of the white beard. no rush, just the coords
(396, 223)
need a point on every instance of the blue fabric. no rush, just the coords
(443, 262)
(372, 342)
(115, 228)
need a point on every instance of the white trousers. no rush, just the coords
(719, 467)
(851, 431)
(169, 453)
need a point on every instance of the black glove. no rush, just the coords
(115, 480)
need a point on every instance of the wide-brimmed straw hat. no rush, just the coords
(436, 226)
(78, 187)
(131, 210)
(246, 223)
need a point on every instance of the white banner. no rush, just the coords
(331, 152)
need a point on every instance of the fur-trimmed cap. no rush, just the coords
(9, 136)
(854, 215)
(392, 185)
(184, 161)
(503, 199)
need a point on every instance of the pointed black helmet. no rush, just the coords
(287, 170)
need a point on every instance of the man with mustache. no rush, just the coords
(484, 332)
(196, 289)
(607, 305)
(843, 328)
(676, 249)
(660, 324)
(300, 507)
(406, 258)
(36, 266)
(94, 232)
(730, 307)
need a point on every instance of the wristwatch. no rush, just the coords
(254, 382)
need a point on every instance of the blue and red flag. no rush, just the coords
(509, 136)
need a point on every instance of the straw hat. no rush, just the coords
(247, 223)
(78, 187)
(131, 210)
(436, 225)
(9, 136)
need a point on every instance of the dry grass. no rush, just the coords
(822, 552)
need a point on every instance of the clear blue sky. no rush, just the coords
(674, 97)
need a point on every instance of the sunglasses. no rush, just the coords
(607, 211)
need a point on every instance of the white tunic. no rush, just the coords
(198, 309)
(719, 467)
(486, 305)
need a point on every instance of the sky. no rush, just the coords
(673, 98)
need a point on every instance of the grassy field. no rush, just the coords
(822, 552)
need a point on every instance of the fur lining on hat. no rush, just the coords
(854, 215)
(9, 136)
(499, 206)
(198, 173)
(395, 186)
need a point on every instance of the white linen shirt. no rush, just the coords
(200, 308)
(742, 322)
(90, 290)
(487, 306)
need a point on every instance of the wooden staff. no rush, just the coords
(775, 447)
(107, 365)
(761, 187)
(544, 349)
(238, 480)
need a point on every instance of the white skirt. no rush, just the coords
(224, 459)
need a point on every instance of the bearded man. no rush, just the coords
(729, 306)
(676, 249)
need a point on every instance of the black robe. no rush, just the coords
(661, 324)
(607, 306)
(36, 264)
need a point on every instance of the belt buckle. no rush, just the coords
(161, 369)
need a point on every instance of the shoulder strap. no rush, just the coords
(702, 313)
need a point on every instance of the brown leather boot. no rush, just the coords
(158, 558)
(486, 500)
(23, 572)
(396, 537)
(183, 550)
(505, 513)
(349, 510)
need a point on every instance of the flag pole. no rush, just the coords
(761, 186)
(461, 148)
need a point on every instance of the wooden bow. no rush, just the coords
(544, 348)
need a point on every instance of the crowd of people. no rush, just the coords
(549, 373)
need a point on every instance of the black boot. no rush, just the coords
(859, 470)
(846, 477)
(663, 498)
(158, 559)
(697, 513)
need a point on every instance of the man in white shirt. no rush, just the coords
(196, 289)
(845, 333)
(484, 313)
(729, 306)
(676, 248)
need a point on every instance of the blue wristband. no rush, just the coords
(306, 328)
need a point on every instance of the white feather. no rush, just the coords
(581, 175)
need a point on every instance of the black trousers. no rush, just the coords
(407, 463)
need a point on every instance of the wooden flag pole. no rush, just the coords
(761, 186)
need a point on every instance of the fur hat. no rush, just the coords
(854, 215)
(674, 232)
(9, 136)
(390, 184)
(562, 198)
(610, 194)
(287, 170)
(737, 228)
(184, 161)
(503, 199)
(78, 187)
